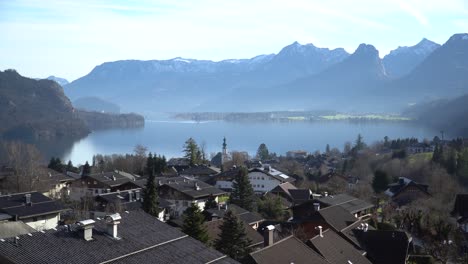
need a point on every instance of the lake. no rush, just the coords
(166, 137)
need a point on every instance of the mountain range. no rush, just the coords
(298, 77)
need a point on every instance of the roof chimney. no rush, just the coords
(325, 194)
(27, 199)
(319, 228)
(137, 195)
(113, 221)
(316, 206)
(87, 227)
(268, 235)
(366, 227)
(196, 186)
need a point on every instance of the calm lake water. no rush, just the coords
(167, 137)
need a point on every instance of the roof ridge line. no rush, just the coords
(214, 260)
(144, 249)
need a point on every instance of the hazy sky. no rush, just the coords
(67, 38)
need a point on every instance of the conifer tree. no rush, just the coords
(262, 152)
(192, 152)
(193, 223)
(380, 181)
(233, 240)
(242, 192)
(150, 198)
(86, 169)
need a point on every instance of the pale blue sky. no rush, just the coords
(67, 38)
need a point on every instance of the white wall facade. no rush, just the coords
(43, 222)
(262, 182)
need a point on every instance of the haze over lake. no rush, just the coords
(166, 137)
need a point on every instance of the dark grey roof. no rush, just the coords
(385, 247)
(336, 249)
(178, 162)
(14, 228)
(337, 217)
(14, 204)
(348, 202)
(123, 198)
(288, 250)
(246, 216)
(187, 187)
(200, 170)
(144, 239)
(112, 179)
(300, 195)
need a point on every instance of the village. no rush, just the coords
(395, 201)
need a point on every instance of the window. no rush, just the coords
(34, 219)
(96, 191)
(263, 186)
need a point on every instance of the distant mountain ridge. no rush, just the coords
(298, 77)
(61, 81)
(403, 60)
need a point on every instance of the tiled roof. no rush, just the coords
(350, 203)
(178, 162)
(144, 239)
(14, 204)
(336, 249)
(385, 247)
(14, 228)
(123, 198)
(112, 179)
(200, 170)
(288, 250)
(285, 187)
(246, 216)
(337, 217)
(187, 186)
(300, 195)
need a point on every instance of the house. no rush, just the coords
(297, 154)
(129, 200)
(213, 230)
(405, 191)
(353, 205)
(181, 192)
(33, 208)
(308, 216)
(460, 211)
(289, 192)
(266, 178)
(95, 184)
(224, 179)
(336, 249)
(287, 250)
(420, 148)
(133, 237)
(56, 184)
(250, 218)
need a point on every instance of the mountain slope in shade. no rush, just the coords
(36, 110)
(450, 116)
(443, 74)
(403, 60)
(59, 80)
